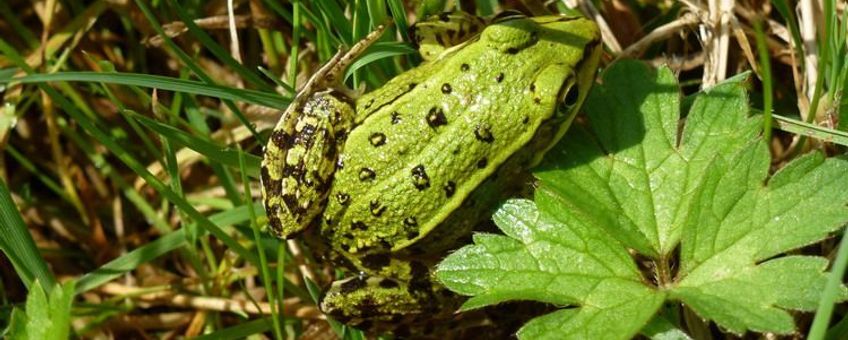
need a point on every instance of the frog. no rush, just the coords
(427, 157)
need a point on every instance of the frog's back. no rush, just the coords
(446, 128)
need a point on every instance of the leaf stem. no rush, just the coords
(664, 275)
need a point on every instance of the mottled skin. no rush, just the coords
(301, 155)
(437, 147)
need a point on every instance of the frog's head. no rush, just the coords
(564, 52)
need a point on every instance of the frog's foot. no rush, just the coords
(378, 304)
(331, 75)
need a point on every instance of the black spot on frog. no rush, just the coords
(366, 174)
(359, 225)
(450, 188)
(388, 284)
(343, 198)
(377, 139)
(353, 284)
(282, 140)
(483, 133)
(482, 162)
(436, 117)
(376, 208)
(420, 178)
(376, 261)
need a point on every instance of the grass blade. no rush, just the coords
(379, 51)
(272, 100)
(191, 64)
(831, 291)
(206, 148)
(765, 74)
(811, 130)
(131, 260)
(152, 250)
(18, 245)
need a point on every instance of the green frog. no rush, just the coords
(421, 161)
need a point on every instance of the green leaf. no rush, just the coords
(17, 325)
(44, 318)
(661, 328)
(535, 262)
(38, 316)
(61, 299)
(630, 173)
(738, 220)
(634, 179)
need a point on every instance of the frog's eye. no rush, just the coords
(569, 96)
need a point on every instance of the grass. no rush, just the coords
(132, 162)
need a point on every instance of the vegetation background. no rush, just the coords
(130, 159)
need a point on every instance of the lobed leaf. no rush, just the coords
(554, 258)
(738, 220)
(635, 179)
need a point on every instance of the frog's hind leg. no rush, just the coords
(300, 160)
(380, 305)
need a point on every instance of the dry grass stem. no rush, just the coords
(235, 49)
(291, 307)
(680, 63)
(606, 33)
(176, 28)
(660, 33)
(298, 257)
(809, 10)
(745, 44)
(149, 322)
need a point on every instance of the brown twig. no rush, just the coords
(660, 33)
